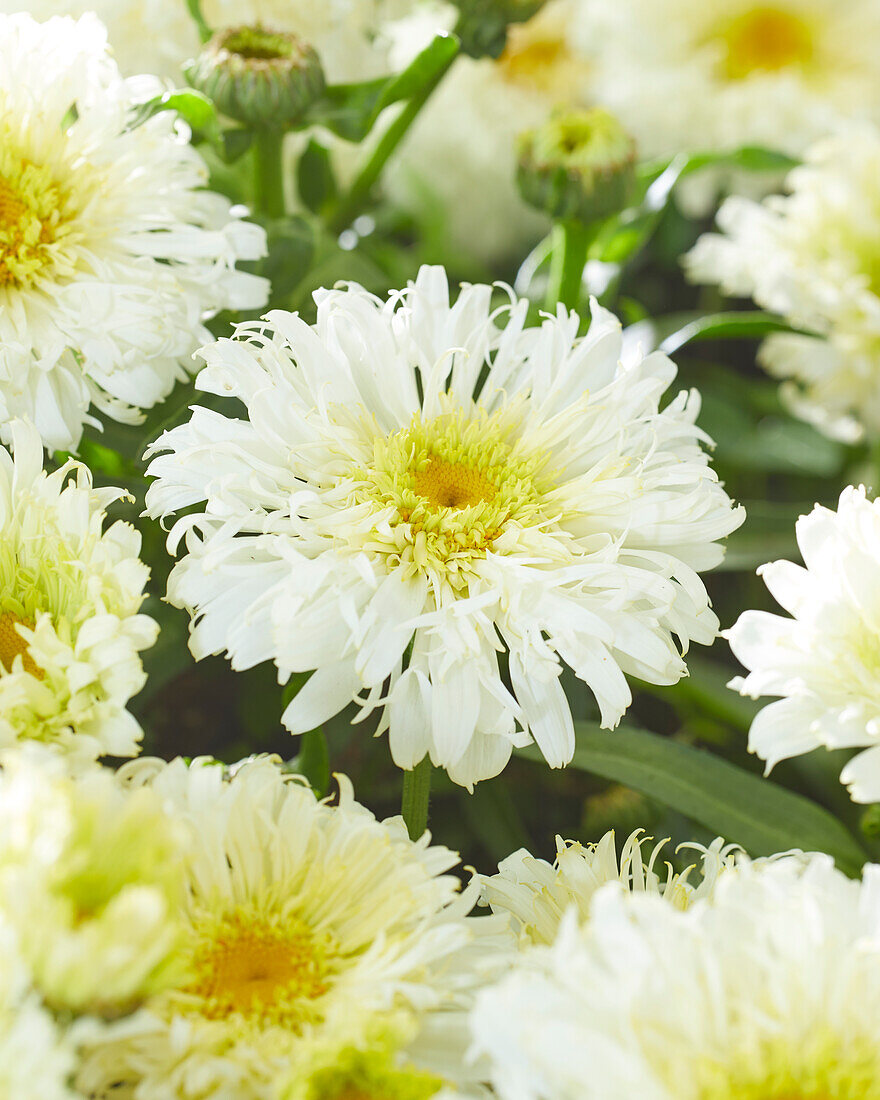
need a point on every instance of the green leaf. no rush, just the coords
(291, 243)
(196, 110)
(733, 325)
(756, 813)
(351, 110)
(236, 142)
(315, 178)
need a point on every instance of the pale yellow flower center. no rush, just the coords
(452, 484)
(766, 39)
(30, 219)
(12, 644)
(268, 971)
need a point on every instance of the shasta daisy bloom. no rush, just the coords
(112, 254)
(70, 594)
(690, 75)
(314, 931)
(824, 661)
(770, 991)
(460, 153)
(91, 879)
(419, 488)
(812, 256)
(537, 894)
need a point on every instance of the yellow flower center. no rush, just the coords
(33, 216)
(766, 39)
(12, 644)
(452, 485)
(269, 971)
(537, 58)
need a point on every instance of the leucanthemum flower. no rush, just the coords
(824, 661)
(812, 256)
(460, 154)
(70, 594)
(691, 75)
(36, 1056)
(112, 254)
(770, 991)
(91, 879)
(418, 490)
(320, 941)
(158, 36)
(537, 894)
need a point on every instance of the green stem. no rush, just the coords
(571, 241)
(268, 172)
(194, 7)
(414, 803)
(353, 201)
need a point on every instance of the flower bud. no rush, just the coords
(579, 165)
(482, 24)
(261, 77)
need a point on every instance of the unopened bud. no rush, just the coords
(578, 166)
(482, 24)
(264, 78)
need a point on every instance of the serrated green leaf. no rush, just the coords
(351, 110)
(756, 813)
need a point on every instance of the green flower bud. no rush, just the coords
(261, 77)
(578, 166)
(482, 24)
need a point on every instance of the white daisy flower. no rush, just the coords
(418, 490)
(313, 930)
(112, 254)
(70, 594)
(537, 894)
(823, 662)
(91, 879)
(36, 1057)
(769, 990)
(158, 36)
(460, 153)
(812, 256)
(691, 75)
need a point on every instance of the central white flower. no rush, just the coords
(418, 489)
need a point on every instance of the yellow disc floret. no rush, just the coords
(448, 488)
(268, 970)
(13, 644)
(33, 217)
(766, 39)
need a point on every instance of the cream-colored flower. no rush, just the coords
(812, 255)
(91, 878)
(460, 155)
(768, 991)
(313, 930)
(158, 36)
(824, 662)
(70, 594)
(112, 254)
(692, 75)
(537, 894)
(421, 485)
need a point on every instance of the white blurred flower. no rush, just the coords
(692, 75)
(824, 662)
(91, 878)
(70, 594)
(158, 36)
(460, 154)
(111, 252)
(415, 481)
(812, 256)
(313, 931)
(769, 990)
(537, 894)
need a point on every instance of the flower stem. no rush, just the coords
(353, 201)
(268, 172)
(414, 803)
(194, 7)
(571, 241)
